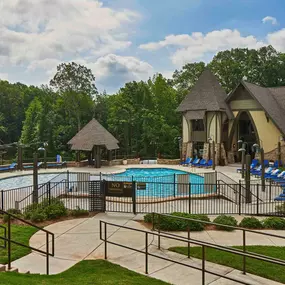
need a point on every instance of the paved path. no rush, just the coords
(78, 239)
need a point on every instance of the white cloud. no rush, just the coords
(266, 19)
(3, 76)
(198, 45)
(59, 29)
(277, 40)
(116, 70)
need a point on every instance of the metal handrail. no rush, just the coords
(182, 239)
(5, 236)
(244, 230)
(9, 240)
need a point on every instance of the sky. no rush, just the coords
(125, 40)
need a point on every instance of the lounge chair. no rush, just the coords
(209, 163)
(9, 168)
(253, 165)
(202, 163)
(186, 162)
(195, 162)
(25, 167)
(57, 164)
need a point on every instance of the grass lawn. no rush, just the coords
(257, 267)
(86, 272)
(20, 234)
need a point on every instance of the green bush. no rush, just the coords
(280, 208)
(225, 220)
(14, 212)
(251, 223)
(274, 223)
(49, 208)
(79, 212)
(169, 223)
(38, 216)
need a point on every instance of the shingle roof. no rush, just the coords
(272, 101)
(207, 94)
(93, 134)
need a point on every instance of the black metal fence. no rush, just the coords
(148, 248)
(153, 196)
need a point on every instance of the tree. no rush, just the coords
(75, 83)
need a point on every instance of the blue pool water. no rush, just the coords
(24, 181)
(161, 182)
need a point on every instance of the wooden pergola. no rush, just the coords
(92, 138)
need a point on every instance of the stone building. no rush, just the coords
(250, 113)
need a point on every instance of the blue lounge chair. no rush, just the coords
(253, 165)
(272, 174)
(31, 166)
(195, 162)
(9, 168)
(267, 171)
(256, 170)
(209, 163)
(187, 161)
(202, 163)
(57, 164)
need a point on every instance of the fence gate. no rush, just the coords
(96, 197)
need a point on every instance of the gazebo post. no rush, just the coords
(109, 156)
(95, 156)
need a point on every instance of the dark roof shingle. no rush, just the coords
(207, 94)
(272, 101)
(93, 134)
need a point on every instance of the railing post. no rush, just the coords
(146, 253)
(188, 235)
(134, 197)
(2, 200)
(257, 197)
(105, 240)
(203, 265)
(189, 199)
(67, 179)
(48, 192)
(174, 179)
(239, 198)
(244, 250)
(158, 222)
(47, 253)
(9, 241)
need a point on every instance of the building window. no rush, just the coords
(198, 125)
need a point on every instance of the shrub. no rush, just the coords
(14, 212)
(251, 223)
(280, 208)
(274, 223)
(38, 216)
(169, 223)
(225, 220)
(50, 208)
(79, 212)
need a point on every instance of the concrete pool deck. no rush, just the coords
(78, 239)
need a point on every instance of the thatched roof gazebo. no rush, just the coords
(91, 139)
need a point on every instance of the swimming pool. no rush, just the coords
(161, 182)
(24, 181)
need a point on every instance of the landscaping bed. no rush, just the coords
(20, 234)
(253, 266)
(86, 272)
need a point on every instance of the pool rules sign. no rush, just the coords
(118, 189)
(122, 189)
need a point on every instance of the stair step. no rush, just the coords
(25, 272)
(2, 268)
(13, 269)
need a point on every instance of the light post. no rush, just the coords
(179, 139)
(260, 149)
(243, 152)
(281, 138)
(44, 149)
(211, 140)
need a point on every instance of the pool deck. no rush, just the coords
(228, 170)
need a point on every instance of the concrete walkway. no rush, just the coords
(79, 239)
